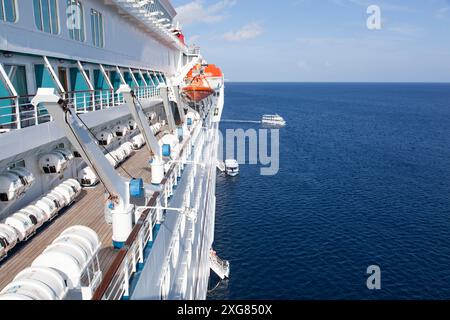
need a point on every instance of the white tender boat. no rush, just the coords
(231, 167)
(273, 120)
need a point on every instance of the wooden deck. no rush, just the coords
(88, 210)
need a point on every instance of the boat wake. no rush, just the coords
(241, 121)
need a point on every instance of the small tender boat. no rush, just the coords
(273, 120)
(231, 167)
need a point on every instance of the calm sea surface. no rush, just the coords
(364, 180)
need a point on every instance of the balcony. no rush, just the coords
(16, 112)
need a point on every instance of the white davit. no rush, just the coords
(87, 177)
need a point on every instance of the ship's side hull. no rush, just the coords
(182, 247)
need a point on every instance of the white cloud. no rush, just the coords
(247, 32)
(197, 12)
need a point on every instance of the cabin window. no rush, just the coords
(8, 10)
(75, 20)
(46, 15)
(97, 28)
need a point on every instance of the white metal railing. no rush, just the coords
(194, 50)
(116, 281)
(17, 112)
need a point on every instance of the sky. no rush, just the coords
(321, 40)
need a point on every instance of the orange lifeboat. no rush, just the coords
(198, 87)
(209, 71)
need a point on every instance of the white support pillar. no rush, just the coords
(157, 80)
(110, 85)
(168, 108)
(7, 81)
(53, 74)
(133, 77)
(122, 79)
(137, 112)
(85, 76)
(105, 75)
(161, 74)
(176, 92)
(81, 139)
(143, 78)
(151, 80)
(90, 86)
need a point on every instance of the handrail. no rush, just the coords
(117, 262)
(20, 113)
(9, 98)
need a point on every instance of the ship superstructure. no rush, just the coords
(97, 137)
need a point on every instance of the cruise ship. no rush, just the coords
(109, 143)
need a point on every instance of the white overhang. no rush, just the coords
(157, 29)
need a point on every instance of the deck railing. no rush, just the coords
(16, 112)
(115, 284)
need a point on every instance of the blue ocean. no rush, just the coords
(364, 180)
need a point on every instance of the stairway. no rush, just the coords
(219, 266)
